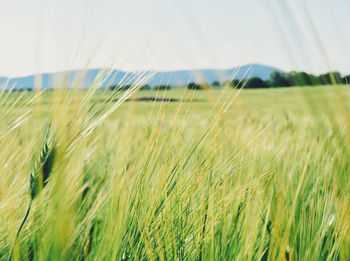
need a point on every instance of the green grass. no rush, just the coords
(255, 175)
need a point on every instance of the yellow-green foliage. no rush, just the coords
(255, 175)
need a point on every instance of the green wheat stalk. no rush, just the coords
(38, 178)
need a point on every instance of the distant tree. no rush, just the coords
(278, 79)
(237, 83)
(194, 86)
(302, 79)
(330, 77)
(163, 87)
(145, 87)
(346, 79)
(255, 82)
(216, 84)
(113, 87)
(25, 89)
(126, 87)
(120, 87)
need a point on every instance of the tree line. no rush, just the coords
(281, 79)
(276, 79)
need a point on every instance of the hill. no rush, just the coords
(173, 78)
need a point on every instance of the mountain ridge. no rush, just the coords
(173, 78)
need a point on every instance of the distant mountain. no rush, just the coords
(173, 78)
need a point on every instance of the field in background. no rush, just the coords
(217, 175)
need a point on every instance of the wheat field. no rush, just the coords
(216, 175)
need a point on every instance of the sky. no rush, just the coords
(55, 35)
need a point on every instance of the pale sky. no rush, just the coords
(55, 35)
